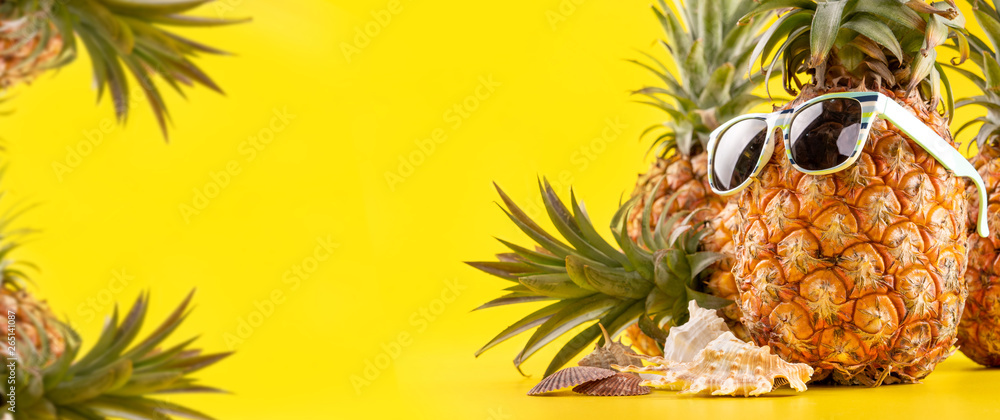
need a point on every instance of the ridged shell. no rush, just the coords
(569, 377)
(619, 385)
(613, 353)
(685, 341)
(729, 366)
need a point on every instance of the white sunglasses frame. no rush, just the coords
(873, 105)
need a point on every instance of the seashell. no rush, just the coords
(569, 377)
(619, 385)
(685, 341)
(613, 353)
(729, 366)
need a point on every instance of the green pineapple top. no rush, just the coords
(704, 82)
(117, 378)
(123, 37)
(890, 42)
(590, 281)
(988, 80)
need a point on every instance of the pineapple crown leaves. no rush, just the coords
(984, 55)
(890, 41)
(701, 83)
(590, 281)
(128, 37)
(117, 375)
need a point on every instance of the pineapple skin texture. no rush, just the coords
(28, 310)
(979, 331)
(859, 273)
(641, 342)
(17, 63)
(686, 177)
(722, 282)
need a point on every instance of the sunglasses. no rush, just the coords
(823, 135)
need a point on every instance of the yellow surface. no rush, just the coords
(562, 95)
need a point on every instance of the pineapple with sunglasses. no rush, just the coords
(851, 243)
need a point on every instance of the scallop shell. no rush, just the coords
(729, 366)
(619, 385)
(569, 377)
(613, 353)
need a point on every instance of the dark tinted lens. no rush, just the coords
(737, 153)
(824, 134)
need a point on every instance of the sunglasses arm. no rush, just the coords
(938, 147)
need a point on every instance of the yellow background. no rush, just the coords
(562, 78)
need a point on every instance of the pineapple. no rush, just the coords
(979, 331)
(857, 273)
(704, 84)
(116, 378)
(120, 37)
(649, 282)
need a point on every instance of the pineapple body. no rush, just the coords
(857, 273)
(979, 331)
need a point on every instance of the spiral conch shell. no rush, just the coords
(685, 341)
(728, 366)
